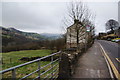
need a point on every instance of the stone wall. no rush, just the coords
(67, 64)
(68, 61)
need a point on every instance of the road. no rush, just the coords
(112, 49)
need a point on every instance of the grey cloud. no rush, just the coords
(104, 11)
(31, 15)
(47, 16)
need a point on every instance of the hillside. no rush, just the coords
(14, 40)
(33, 36)
(29, 35)
(51, 36)
(11, 36)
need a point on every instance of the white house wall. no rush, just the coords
(72, 36)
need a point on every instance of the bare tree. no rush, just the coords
(80, 14)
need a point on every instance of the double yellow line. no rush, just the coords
(117, 75)
(118, 60)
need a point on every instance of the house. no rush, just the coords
(76, 35)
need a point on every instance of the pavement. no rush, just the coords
(92, 64)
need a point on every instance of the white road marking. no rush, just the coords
(110, 71)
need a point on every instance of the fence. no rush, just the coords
(53, 74)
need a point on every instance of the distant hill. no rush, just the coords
(11, 36)
(33, 36)
(51, 36)
(15, 40)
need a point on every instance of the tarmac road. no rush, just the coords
(112, 49)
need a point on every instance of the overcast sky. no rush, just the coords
(46, 17)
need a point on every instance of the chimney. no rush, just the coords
(76, 21)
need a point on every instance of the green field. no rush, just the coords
(11, 59)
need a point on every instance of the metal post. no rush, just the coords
(52, 65)
(59, 57)
(39, 69)
(13, 74)
(59, 63)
